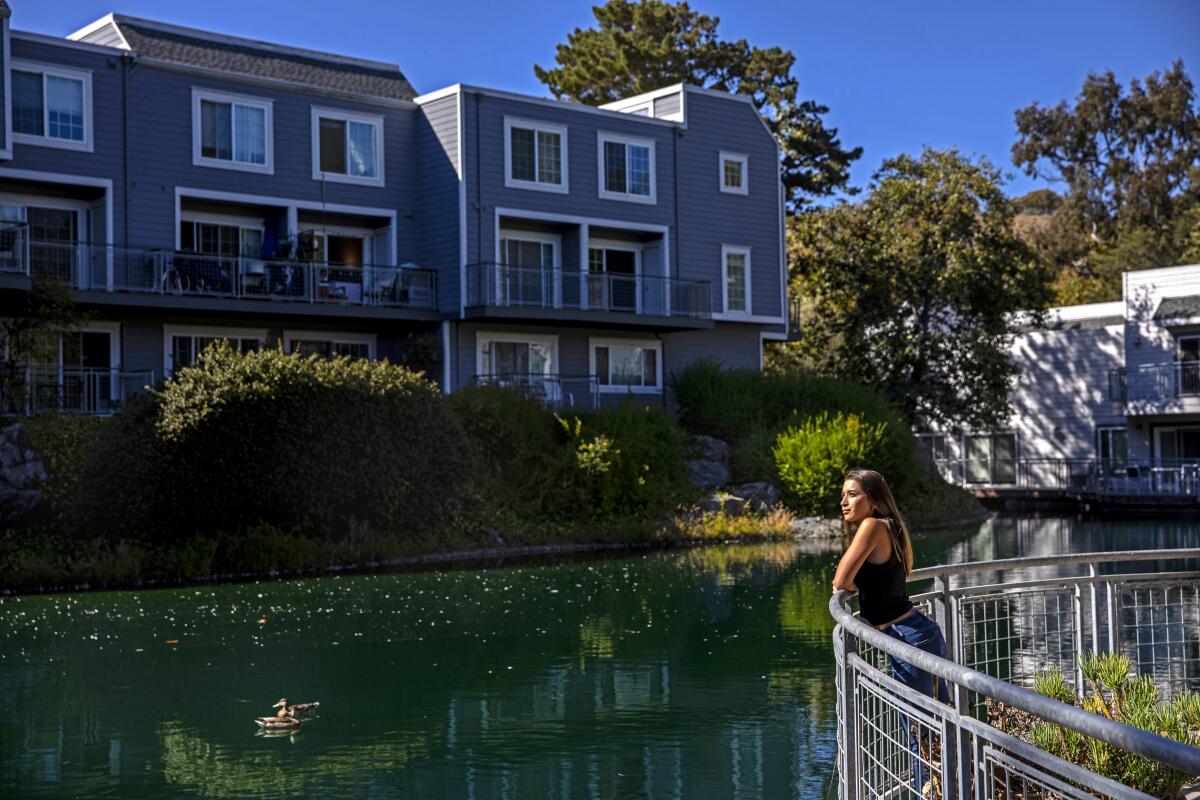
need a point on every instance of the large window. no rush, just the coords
(231, 132)
(735, 173)
(347, 147)
(330, 345)
(502, 358)
(51, 106)
(536, 155)
(991, 457)
(626, 168)
(933, 448)
(735, 264)
(627, 366)
(186, 348)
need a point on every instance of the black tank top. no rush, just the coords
(883, 590)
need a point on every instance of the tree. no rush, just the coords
(915, 290)
(1128, 162)
(29, 335)
(640, 46)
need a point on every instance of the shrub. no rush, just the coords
(302, 443)
(65, 442)
(812, 459)
(629, 461)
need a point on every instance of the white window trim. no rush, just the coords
(267, 106)
(318, 113)
(485, 338)
(740, 158)
(601, 139)
(535, 125)
(726, 250)
(234, 220)
(171, 331)
(84, 75)
(369, 339)
(647, 106)
(650, 344)
(554, 239)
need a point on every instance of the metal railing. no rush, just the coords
(169, 272)
(1164, 381)
(504, 286)
(1109, 477)
(12, 247)
(1004, 621)
(571, 393)
(80, 390)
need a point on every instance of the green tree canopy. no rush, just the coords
(641, 46)
(915, 289)
(1129, 165)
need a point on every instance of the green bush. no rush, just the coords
(812, 459)
(65, 442)
(301, 443)
(629, 461)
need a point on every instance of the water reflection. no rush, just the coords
(695, 673)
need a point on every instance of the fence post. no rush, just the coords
(847, 711)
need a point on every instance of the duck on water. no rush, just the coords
(287, 716)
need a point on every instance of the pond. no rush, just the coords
(704, 672)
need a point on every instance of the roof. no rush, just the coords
(1177, 307)
(196, 48)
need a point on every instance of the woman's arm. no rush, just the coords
(864, 542)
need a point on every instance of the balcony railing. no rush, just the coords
(1179, 477)
(121, 269)
(1155, 382)
(505, 286)
(80, 390)
(574, 393)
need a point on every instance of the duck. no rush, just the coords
(303, 709)
(282, 719)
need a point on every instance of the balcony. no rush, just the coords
(102, 268)
(79, 390)
(565, 295)
(1169, 387)
(559, 392)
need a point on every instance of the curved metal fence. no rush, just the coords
(1005, 621)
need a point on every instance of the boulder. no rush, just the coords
(713, 449)
(728, 504)
(20, 465)
(761, 497)
(816, 528)
(707, 474)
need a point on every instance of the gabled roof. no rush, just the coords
(1178, 307)
(233, 54)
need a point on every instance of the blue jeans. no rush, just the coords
(923, 633)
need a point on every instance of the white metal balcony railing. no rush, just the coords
(505, 286)
(121, 269)
(1180, 477)
(79, 390)
(1154, 382)
(571, 393)
(1005, 621)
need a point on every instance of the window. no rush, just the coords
(536, 155)
(505, 357)
(1111, 446)
(52, 106)
(627, 366)
(735, 263)
(991, 457)
(934, 448)
(183, 345)
(626, 169)
(232, 132)
(217, 239)
(347, 147)
(735, 173)
(330, 345)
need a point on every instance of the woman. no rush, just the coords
(876, 564)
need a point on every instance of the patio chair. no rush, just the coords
(385, 287)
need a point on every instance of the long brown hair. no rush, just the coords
(883, 506)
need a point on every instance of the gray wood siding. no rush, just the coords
(107, 157)
(709, 217)
(142, 345)
(107, 36)
(5, 51)
(438, 209)
(668, 105)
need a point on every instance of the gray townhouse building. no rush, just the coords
(192, 186)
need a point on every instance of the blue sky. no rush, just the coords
(896, 75)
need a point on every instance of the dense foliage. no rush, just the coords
(1128, 161)
(640, 46)
(813, 457)
(307, 443)
(914, 290)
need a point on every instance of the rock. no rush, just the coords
(707, 474)
(713, 449)
(20, 465)
(728, 504)
(816, 528)
(761, 497)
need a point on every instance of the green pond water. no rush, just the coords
(699, 673)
